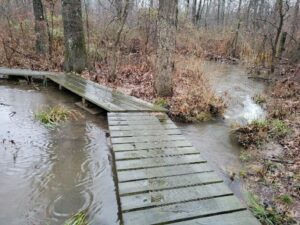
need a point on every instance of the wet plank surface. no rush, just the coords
(162, 178)
(104, 97)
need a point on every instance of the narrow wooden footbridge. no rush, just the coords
(161, 177)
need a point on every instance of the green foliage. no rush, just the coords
(259, 131)
(265, 215)
(286, 199)
(77, 219)
(278, 128)
(161, 102)
(259, 99)
(52, 116)
(244, 156)
(242, 174)
(261, 124)
(204, 116)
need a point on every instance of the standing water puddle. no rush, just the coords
(47, 175)
(212, 139)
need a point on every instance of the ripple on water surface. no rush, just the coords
(48, 175)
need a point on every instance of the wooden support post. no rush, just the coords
(45, 84)
(84, 102)
(60, 87)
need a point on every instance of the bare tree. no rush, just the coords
(40, 27)
(121, 22)
(166, 40)
(75, 51)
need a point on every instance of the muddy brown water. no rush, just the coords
(47, 175)
(213, 138)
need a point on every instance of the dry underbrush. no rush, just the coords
(193, 98)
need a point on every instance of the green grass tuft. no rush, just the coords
(161, 102)
(77, 219)
(286, 199)
(52, 116)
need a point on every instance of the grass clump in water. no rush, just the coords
(77, 219)
(52, 116)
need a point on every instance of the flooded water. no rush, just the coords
(47, 175)
(213, 138)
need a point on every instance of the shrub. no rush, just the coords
(258, 131)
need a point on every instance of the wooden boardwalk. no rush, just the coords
(109, 99)
(161, 177)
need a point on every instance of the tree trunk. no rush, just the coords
(40, 27)
(187, 8)
(280, 48)
(118, 5)
(295, 18)
(166, 40)
(194, 10)
(75, 52)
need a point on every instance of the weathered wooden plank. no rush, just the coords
(151, 145)
(134, 114)
(140, 122)
(158, 161)
(142, 116)
(26, 72)
(177, 195)
(158, 172)
(163, 183)
(138, 133)
(235, 218)
(117, 95)
(172, 213)
(105, 94)
(155, 153)
(143, 139)
(103, 103)
(142, 127)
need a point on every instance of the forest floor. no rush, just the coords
(271, 155)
